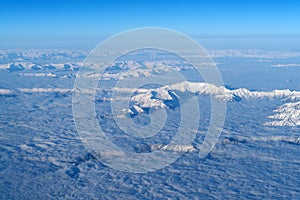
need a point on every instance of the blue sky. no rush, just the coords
(46, 23)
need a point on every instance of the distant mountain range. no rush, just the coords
(143, 99)
(18, 66)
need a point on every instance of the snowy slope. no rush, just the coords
(286, 115)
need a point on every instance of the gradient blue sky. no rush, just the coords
(46, 23)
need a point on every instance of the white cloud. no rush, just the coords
(44, 90)
(253, 53)
(5, 92)
(39, 74)
(286, 65)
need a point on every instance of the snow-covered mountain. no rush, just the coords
(286, 115)
(17, 66)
